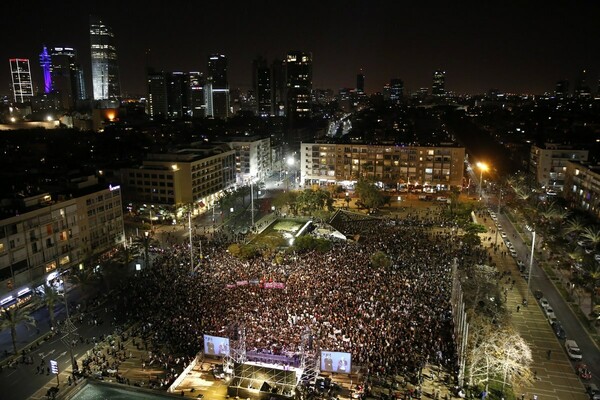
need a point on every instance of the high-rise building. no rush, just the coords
(360, 82)
(396, 90)
(21, 79)
(157, 95)
(298, 79)
(196, 105)
(175, 94)
(278, 88)
(261, 82)
(582, 90)
(46, 65)
(439, 82)
(63, 75)
(562, 89)
(105, 70)
(217, 74)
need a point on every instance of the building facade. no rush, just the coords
(298, 85)
(65, 76)
(438, 88)
(252, 158)
(218, 90)
(105, 69)
(548, 164)
(582, 187)
(22, 85)
(183, 177)
(55, 236)
(261, 82)
(392, 166)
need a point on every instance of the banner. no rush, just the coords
(274, 285)
(241, 283)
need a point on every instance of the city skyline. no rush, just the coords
(520, 48)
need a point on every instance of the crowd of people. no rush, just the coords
(392, 318)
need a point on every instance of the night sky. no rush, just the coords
(515, 46)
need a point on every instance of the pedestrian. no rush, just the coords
(549, 354)
(518, 308)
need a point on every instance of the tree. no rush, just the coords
(591, 236)
(85, 278)
(575, 225)
(369, 194)
(286, 199)
(380, 260)
(498, 353)
(11, 318)
(50, 299)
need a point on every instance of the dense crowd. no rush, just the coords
(392, 319)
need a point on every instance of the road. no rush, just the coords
(569, 321)
(23, 381)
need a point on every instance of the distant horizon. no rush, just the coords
(521, 48)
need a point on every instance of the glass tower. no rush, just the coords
(105, 71)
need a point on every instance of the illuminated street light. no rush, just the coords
(482, 167)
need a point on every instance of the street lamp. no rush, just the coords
(530, 265)
(482, 167)
(146, 238)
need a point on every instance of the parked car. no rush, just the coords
(583, 372)
(548, 310)
(503, 235)
(573, 350)
(521, 265)
(539, 295)
(513, 253)
(558, 330)
(544, 303)
(597, 257)
(592, 391)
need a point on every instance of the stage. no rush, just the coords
(260, 380)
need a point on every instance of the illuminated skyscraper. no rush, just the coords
(66, 76)
(298, 79)
(218, 106)
(439, 81)
(21, 79)
(396, 90)
(261, 82)
(45, 63)
(105, 70)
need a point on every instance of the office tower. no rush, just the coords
(45, 63)
(562, 89)
(66, 76)
(175, 94)
(217, 74)
(196, 106)
(157, 94)
(582, 90)
(21, 79)
(261, 83)
(278, 88)
(360, 82)
(298, 83)
(439, 82)
(105, 70)
(396, 90)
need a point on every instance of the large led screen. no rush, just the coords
(216, 346)
(332, 361)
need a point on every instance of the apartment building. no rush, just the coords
(391, 166)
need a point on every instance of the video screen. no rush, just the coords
(216, 346)
(332, 361)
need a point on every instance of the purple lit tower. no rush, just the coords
(45, 62)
